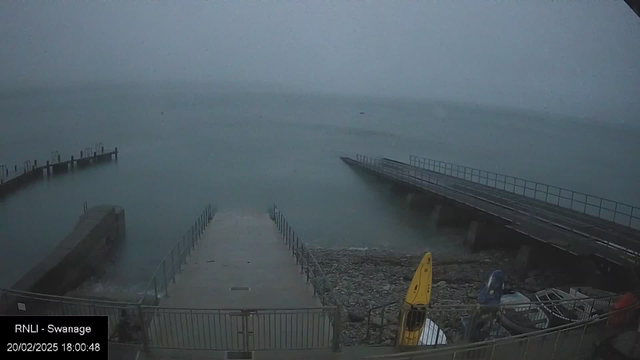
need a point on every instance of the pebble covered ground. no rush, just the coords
(363, 279)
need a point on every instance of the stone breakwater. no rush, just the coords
(362, 279)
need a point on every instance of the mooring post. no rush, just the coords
(164, 277)
(143, 333)
(337, 328)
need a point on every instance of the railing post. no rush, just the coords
(584, 330)
(472, 324)
(173, 268)
(308, 265)
(155, 288)
(555, 344)
(324, 288)
(179, 258)
(286, 233)
(164, 277)
(290, 236)
(337, 328)
(302, 259)
(143, 328)
(193, 238)
(382, 315)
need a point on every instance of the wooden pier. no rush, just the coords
(14, 178)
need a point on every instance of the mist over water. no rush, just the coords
(182, 147)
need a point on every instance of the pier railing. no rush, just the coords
(171, 264)
(571, 341)
(160, 327)
(451, 188)
(242, 330)
(124, 317)
(11, 178)
(620, 213)
(313, 328)
(310, 267)
(474, 322)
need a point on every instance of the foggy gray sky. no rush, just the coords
(579, 57)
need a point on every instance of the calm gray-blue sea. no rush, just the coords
(183, 147)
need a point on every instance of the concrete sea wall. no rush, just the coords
(79, 254)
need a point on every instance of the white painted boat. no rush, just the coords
(432, 334)
(559, 306)
(520, 316)
(596, 301)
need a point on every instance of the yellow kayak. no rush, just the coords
(419, 294)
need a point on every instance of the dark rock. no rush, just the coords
(407, 277)
(353, 317)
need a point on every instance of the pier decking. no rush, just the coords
(242, 269)
(578, 233)
(14, 177)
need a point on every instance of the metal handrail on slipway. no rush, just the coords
(310, 267)
(172, 262)
(602, 208)
(304, 257)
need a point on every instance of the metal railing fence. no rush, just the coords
(241, 329)
(570, 341)
(304, 257)
(310, 267)
(377, 321)
(473, 322)
(171, 264)
(190, 328)
(620, 213)
(450, 188)
(124, 318)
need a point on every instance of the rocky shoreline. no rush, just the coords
(363, 279)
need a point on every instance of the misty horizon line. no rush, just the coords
(265, 87)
